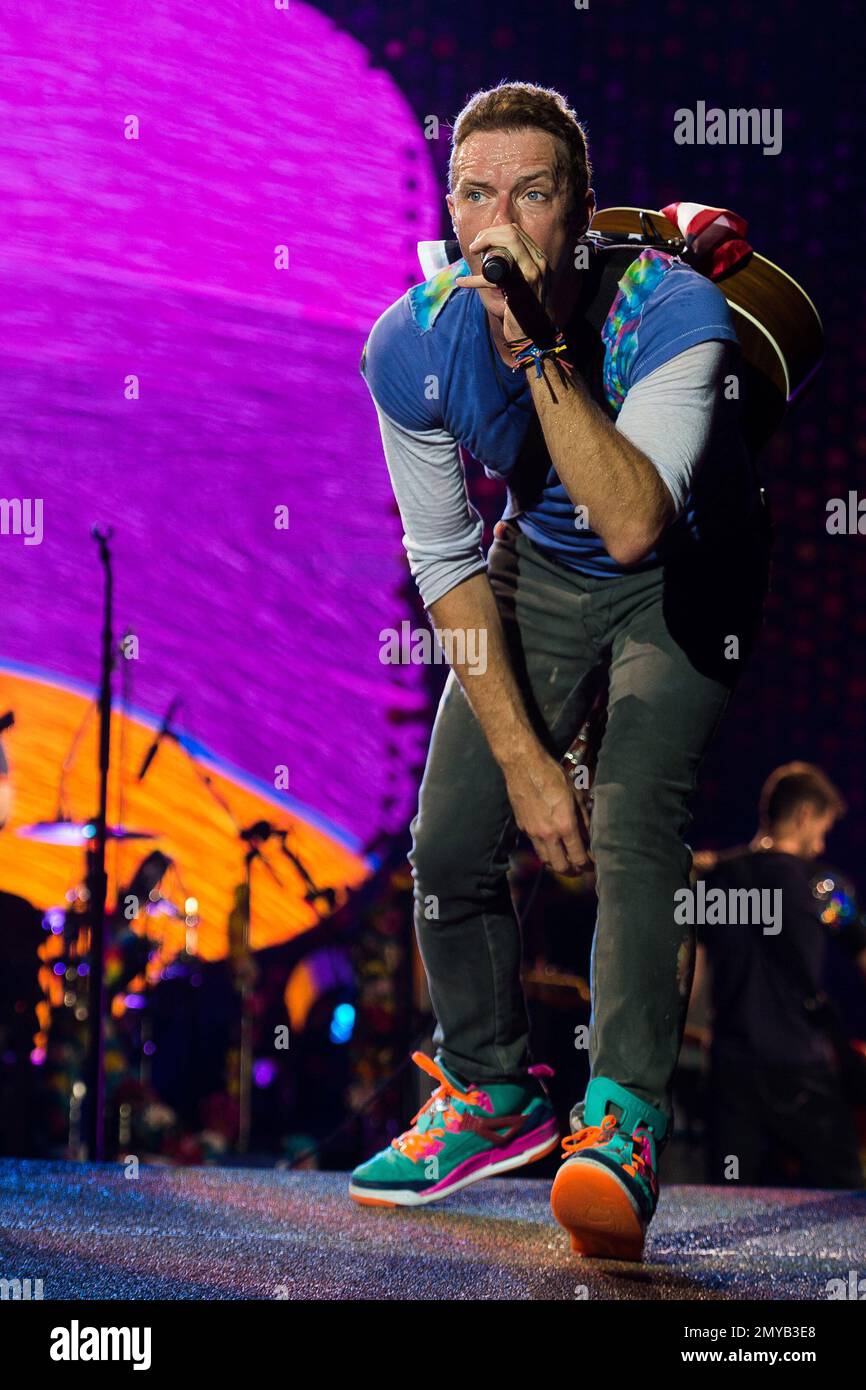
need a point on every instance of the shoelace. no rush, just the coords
(590, 1134)
(602, 1134)
(415, 1143)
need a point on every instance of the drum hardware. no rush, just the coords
(90, 935)
(79, 834)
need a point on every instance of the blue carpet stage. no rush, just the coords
(88, 1232)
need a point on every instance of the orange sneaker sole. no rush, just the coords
(597, 1212)
(371, 1201)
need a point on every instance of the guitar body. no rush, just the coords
(779, 329)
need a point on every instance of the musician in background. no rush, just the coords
(774, 1078)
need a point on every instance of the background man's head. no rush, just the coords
(503, 136)
(798, 807)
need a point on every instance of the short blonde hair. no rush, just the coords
(521, 105)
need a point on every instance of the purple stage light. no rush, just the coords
(264, 1072)
(161, 375)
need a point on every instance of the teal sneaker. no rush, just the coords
(606, 1192)
(459, 1137)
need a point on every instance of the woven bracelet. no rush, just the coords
(524, 352)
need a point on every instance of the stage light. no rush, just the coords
(264, 1072)
(342, 1023)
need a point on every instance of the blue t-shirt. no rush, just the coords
(430, 364)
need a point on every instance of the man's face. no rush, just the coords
(505, 176)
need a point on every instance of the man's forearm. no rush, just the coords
(492, 693)
(627, 503)
(541, 795)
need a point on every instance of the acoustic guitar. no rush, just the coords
(779, 328)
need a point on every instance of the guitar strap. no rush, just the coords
(612, 262)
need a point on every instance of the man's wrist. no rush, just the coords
(543, 331)
(518, 753)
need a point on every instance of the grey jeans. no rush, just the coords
(666, 635)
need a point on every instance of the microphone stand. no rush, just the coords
(252, 838)
(313, 894)
(61, 813)
(94, 1121)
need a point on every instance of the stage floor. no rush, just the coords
(209, 1233)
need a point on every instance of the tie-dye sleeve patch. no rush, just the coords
(428, 300)
(619, 333)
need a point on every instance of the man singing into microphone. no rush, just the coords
(632, 540)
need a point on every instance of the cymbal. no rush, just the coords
(78, 833)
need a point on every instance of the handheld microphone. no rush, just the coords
(498, 265)
(499, 268)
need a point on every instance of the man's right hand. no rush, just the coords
(542, 798)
